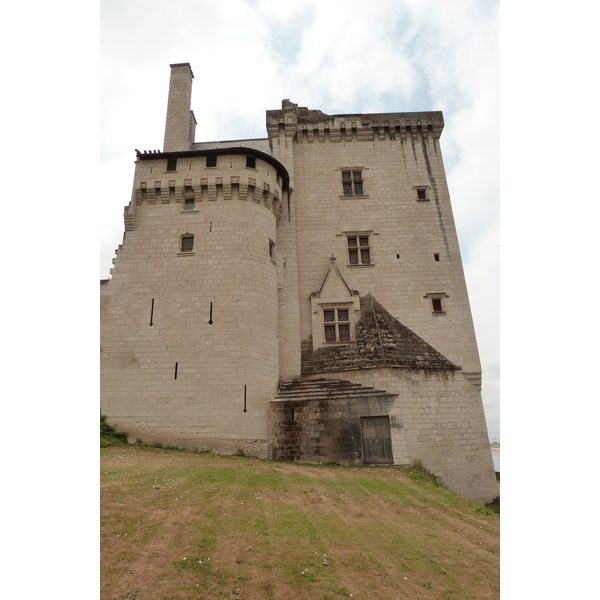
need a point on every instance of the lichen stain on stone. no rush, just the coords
(381, 341)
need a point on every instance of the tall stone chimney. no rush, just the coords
(181, 124)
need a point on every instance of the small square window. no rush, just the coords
(171, 164)
(251, 162)
(330, 333)
(422, 194)
(189, 204)
(437, 303)
(211, 161)
(352, 183)
(187, 243)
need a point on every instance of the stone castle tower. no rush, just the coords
(300, 296)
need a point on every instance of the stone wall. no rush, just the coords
(396, 153)
(189, 340)
(442, 424)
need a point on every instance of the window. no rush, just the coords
(437, 303)
(187, 243)
(359, 250)
(422, 195)
(189, 204)
(211, 161)
(272, 249)
(171, 164)
(436, 257)
(352, 182)
(251, 162)
(336, 322)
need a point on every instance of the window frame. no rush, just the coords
(435, 299)
(425, 190)
(185, 204)
(359, 248)
(272, 252)
(335, 323)
(182, 238)
(355, 176)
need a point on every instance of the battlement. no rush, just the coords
(314, 125)
(199, 176)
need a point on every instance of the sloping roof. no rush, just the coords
(381, 342)
(261, 144)
(325, 389)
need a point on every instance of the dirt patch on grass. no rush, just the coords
(192, 525)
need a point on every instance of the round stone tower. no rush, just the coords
(189, 319)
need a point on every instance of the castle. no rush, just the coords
(300, 296)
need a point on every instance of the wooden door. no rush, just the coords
(376, 440)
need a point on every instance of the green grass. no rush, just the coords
(109, 436)
(265, 527)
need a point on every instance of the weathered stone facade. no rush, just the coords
(326, 251)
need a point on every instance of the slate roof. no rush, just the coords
(325, 389)
(381, 342)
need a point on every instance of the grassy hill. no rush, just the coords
(178, 524)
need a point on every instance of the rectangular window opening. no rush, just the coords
(189, 204)
(422, 194)
(436, 257)
(211, 161)
(359, 250)
(336, 323)
(352, 183)
(171, 164)
(187, 243)
(251, 162)
(436, 303)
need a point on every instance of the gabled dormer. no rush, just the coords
(335, 309)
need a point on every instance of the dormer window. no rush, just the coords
(336, 323)
(335, 309)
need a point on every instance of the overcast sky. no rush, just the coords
(335, 56)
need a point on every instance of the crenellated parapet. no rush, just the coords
(208, 175)
(314, 126)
